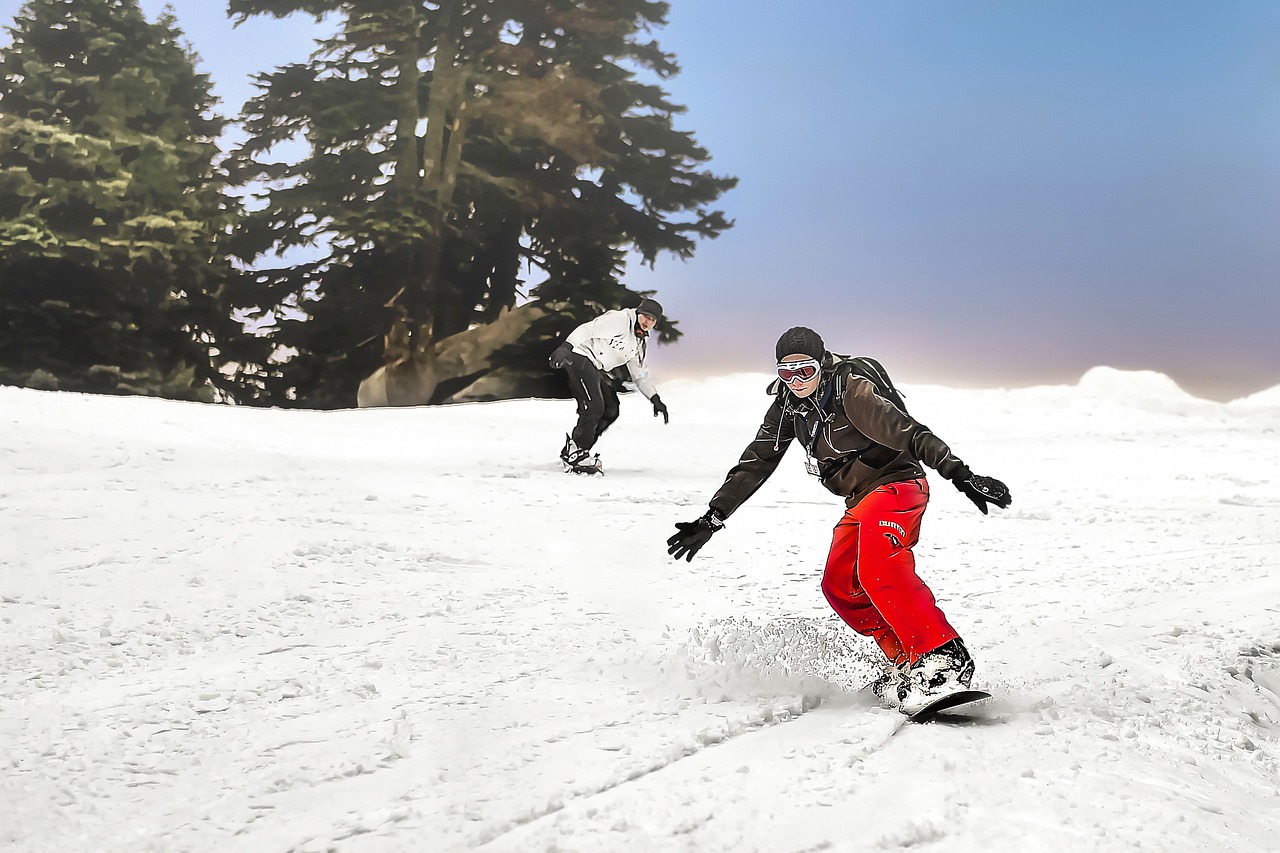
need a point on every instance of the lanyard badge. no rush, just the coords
(811, 461)
(811, 464)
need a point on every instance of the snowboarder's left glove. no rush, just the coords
(660, 408)
(693, 535)
(983, 490)
(560, 357)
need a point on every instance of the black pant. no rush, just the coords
(597, 400)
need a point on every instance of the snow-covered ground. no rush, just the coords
(406, 630)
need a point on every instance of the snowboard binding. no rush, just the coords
(579, 461)
(589, 465)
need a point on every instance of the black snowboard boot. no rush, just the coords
(578, 460)
(571, 454)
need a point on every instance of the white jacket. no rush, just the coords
(610, 341)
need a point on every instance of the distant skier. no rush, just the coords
(860, 442)
(588, 354)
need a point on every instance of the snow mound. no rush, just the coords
(1146, 389)
(1267, 398)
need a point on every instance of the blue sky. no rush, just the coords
(977, 193)
(1004, 192)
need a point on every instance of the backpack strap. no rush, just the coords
(870, 369)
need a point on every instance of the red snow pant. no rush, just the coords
(871, 580)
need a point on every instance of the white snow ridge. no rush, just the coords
(406, 630)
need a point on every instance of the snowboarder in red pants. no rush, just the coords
(860, 442)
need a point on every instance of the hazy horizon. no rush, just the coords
(746, 346)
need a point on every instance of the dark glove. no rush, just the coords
(983, 490)
(693, 535)
(660, 408)
(561, 356)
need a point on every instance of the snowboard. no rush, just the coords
(961, 703)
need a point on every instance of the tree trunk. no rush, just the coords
(409, 376)
(413, 380)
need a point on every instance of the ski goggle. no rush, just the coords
(798, 371)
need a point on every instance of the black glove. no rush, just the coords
(693, 535)
(983, 490)
(561, 356)
(660, 408)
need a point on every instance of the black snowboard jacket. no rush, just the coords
(857, 439)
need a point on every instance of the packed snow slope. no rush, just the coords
(407, 630)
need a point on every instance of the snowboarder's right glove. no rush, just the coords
(560, 357)
(983, 490)
(660, 408)
(693, 535)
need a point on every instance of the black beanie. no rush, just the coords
(650, 307)
(800, 341)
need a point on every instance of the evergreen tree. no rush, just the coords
(110, 206)
(453, 145)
